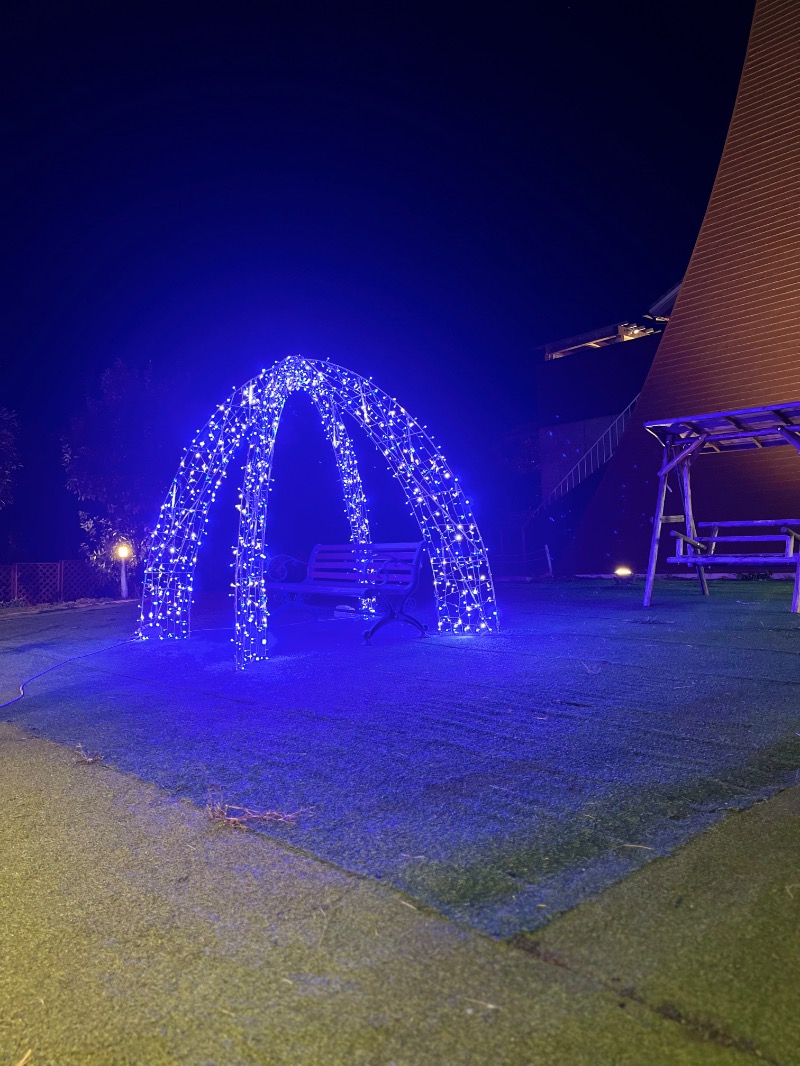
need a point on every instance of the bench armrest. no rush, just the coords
(285, 568)
(378, 575)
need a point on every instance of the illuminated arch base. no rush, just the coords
(461, 575)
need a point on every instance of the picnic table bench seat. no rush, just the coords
(774, 546)
(388, 572)
(765, 544)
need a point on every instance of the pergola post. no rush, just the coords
(658, 521)
(691, 527)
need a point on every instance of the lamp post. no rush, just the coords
(122, 552)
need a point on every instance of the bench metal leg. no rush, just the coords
(796, 593)
(394, 614)
(412, 621)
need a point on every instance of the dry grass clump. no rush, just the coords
(240, 817)
(86, 758)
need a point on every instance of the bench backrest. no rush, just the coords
(393, 566)
(756, 523)
(755, 538)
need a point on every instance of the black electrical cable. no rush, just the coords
(55, 666)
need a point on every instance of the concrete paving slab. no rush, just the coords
(136, 931)
(709, 937)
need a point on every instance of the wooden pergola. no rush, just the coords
(683, 440)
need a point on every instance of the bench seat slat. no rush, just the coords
(376, 548)
(747, 525)
(305, 587)
(760, 538)
(731, 560)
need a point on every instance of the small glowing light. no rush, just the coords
(122, 551)
(623, 571)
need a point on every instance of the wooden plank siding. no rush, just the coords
(733, 339)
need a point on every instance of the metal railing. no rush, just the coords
(595, 457)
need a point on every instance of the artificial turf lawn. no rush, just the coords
(497, 780)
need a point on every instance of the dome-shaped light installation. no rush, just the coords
(251, 417)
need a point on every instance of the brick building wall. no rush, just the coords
(733, 339)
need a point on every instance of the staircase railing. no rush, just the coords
(595, 457)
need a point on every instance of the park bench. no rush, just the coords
(387, 572)
(767, 545)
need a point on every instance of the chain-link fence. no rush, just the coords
(69, 579)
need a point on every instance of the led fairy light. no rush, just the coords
(457, 555)
(460, 567)
(416, 462)
(252, 614)
(355, 502)
(178, 533)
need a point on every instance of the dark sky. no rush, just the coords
(421, 193)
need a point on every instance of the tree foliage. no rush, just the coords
(118, 458)
(9, 455)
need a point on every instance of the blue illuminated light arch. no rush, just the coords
(251, 417)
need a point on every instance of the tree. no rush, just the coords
(9, 455)
(119, 461)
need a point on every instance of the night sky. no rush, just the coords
(422, 194)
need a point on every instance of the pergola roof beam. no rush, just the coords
(753, 427)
